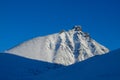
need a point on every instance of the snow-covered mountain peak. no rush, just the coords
(66, 47)
(77, 28)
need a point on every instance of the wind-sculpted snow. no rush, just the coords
(13, 67)
(66, 47)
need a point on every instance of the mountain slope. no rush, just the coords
(104, 67)
(14, 67)
(66, 47)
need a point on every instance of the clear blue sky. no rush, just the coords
(21, 20)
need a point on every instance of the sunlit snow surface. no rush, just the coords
(66, 47)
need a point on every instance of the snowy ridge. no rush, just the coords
(66, 47)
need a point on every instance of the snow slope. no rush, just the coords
(14, 67)
(66, 47)
(101, 67)
(104, 67)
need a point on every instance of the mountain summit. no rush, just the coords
(65, 47)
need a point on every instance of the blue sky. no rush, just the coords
(21, 20)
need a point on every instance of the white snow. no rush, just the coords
(104, 67)
(101, 67)
(36, 59)
(66, 47)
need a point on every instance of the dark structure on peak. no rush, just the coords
(61, 31)
(87, 34)
(77, 28)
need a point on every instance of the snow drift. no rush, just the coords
(13, 67)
